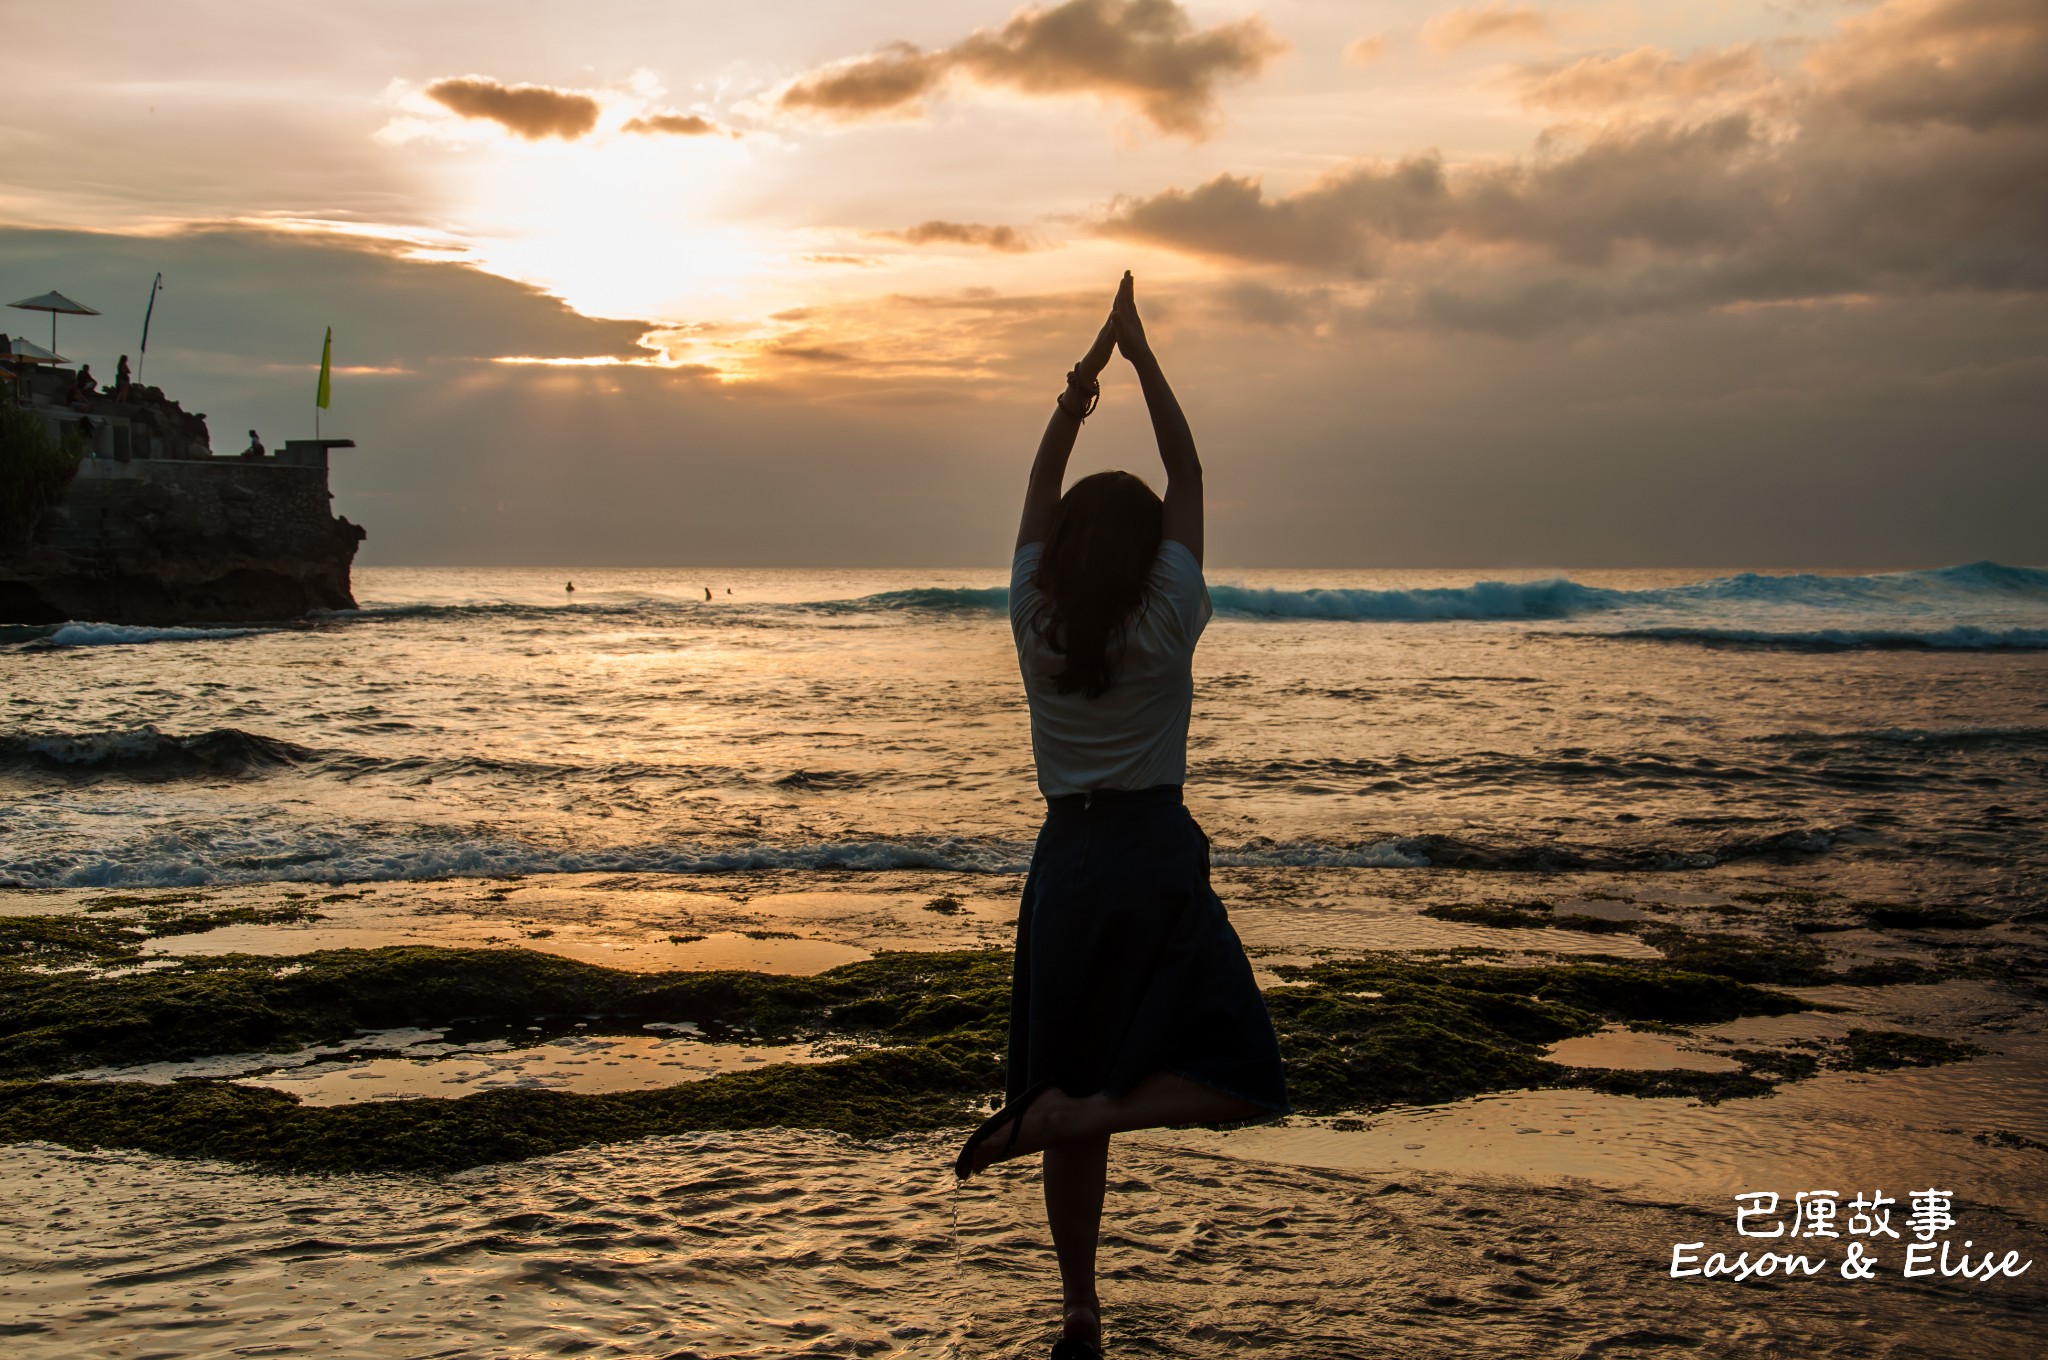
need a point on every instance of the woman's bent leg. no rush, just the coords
(1163, 1099)
(1056, 1119)
(1074, 1177)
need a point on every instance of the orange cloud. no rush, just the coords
(1496, 22)
(673, 124)
(1972, 63)
(530, 111)
(964, 233)
(1644, 74)
(890, 81)
(1340, 223)
(1893, 169)
(1365, 51)
(1146, 53)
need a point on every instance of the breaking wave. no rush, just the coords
(128, 634)
(148, 752)
(1975, 585)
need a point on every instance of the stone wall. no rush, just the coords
(201, 540)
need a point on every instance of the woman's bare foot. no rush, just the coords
(1083, 1322)
(1053, 1117)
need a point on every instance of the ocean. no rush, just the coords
(364, 990)
(479, 722)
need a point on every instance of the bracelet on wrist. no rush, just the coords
(1080, 396)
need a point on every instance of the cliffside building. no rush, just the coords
(154, 528)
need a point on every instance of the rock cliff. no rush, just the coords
(164, 541)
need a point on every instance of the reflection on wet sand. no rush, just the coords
(773, 1243)
(423, 1063)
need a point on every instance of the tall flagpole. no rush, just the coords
(149, 311)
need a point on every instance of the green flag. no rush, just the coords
(326, 358)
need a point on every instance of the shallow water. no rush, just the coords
(778, 1243)
(1616, 1047)
(427, 1063)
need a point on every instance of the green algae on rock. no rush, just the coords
(1528, 916)
(52, 1021)
(97, 935)
(1357, 1034)
(1880, 1050)
(869, 1095)
(1387, 1029)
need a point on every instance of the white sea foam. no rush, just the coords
(1377, 855)
(1552, 599)
(1970, 588)
(1959, 638)
(192, 859)
(128, 634)
(196, 859)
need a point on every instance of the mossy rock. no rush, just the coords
(1884, 1050)
(1892, 916)
(932, 1027)
(1746, 958)
(238, 1003)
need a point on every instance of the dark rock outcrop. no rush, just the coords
(162, 541)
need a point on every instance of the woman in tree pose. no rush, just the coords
(1132, 1005)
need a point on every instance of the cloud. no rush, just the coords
(1496, 22)
(1825, 191)
(890, 81)
(1145, 53)
(1647, 73)
(1972, 63)
(999, 238)
(1365, 51)
(1247, 301)
(673, 124)
(1339, 224)
(531, 111)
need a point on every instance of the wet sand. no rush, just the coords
(785, 1243)
(1533, 1223)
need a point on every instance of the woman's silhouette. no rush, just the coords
(1132, 1003)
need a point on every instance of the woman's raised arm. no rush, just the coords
(1049, 468)
(1182, 521)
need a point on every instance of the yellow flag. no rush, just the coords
(326, 358)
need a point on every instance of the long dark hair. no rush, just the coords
(1093, 574)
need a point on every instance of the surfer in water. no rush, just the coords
(1132, 1004)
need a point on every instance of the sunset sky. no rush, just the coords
(1603, 284)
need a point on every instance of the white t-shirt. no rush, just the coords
(1135, 735)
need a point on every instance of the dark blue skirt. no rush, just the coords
(1126, 960)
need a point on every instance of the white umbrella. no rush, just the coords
(29, 352)
(54, 302)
